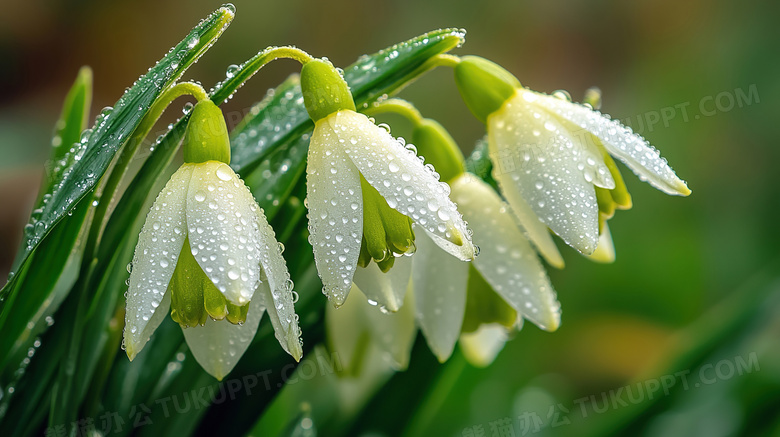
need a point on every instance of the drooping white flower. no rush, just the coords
(358, 327)
(505, 285)
(506, 262)
(561, 174)
(560, 161)
(365, 189)
(207, 254)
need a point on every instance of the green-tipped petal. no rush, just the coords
(482, 346)
(554, 173)
(277, 291)
(621, 142)
(605, 251)
(402, 180)
(506, 260)
(222, 229)
(217, 345)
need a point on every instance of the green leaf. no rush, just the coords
(65, 202)
(54, 266)
(97, 148)
(72, 121)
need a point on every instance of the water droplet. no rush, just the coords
(231, 70)
(224, 173)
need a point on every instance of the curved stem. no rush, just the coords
(444, 60)
(119, 168)
(395, 106)
(252, 66)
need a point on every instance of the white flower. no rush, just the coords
(358, 177)
(506, 261)
(357, 328)
(206, 246)
(559, 150)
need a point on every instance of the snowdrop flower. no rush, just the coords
(357, 328)
(505, 284)
(477, 302)
(561, 175)
(364, 191)
(207, 254)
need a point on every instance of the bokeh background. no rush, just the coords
(699, 79)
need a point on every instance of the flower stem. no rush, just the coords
(431, 138)
(395, 106)
(122, 162)
(444, 60)
(253, 65)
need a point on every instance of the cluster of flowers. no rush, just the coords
(390, 236)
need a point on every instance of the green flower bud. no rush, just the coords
(484, 85)
(437, 146)
(206, 138)
(324, 90)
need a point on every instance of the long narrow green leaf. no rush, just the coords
(72, 121)
(73, 176)
(97, 148)
(54, 266)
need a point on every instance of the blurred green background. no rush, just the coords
(699, 79)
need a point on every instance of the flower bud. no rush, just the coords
(484, 85)
(437, 146)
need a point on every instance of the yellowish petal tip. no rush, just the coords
(441, 358)
(130, 351)
(556, 323)
(556, 262)
(296, 349)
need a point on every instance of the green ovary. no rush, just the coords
(194, 297)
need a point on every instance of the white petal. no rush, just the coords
(605, 251)
(218, 345)
(536, 231)
(355, 327)
(278, 294)
(621, 142)
(335, 205)
(506, 259)
(393, 333)
(385, 289)
(223, 230)
(546, 174)
(400, 177)
(348, 335)
(156, 254)
(483, 345)
(439, 286)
